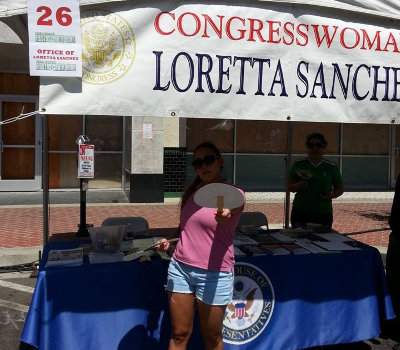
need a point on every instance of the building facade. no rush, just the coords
(255, 152)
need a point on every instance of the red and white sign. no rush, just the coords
(55, 47)
(86, 161)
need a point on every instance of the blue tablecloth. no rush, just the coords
(311, 300)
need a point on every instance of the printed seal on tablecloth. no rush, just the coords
(252, 305)
(109, 47)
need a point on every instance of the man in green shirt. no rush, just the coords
(316, 182)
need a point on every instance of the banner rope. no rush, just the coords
(21, 116)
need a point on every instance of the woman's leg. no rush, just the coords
(211, 318)
(181, 307)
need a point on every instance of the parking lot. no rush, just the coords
(15, 296)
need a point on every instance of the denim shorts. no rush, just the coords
(210, 287)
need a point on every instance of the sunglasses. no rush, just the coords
(315, 145)
(207, 160)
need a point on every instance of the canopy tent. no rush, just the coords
(260, 60)
(334, 63)
(382, 8)
(14, 46)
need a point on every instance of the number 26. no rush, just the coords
(63, 16)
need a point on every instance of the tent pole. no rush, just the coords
(45, 179)
(287, 169)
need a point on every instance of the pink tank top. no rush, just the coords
(203, 242)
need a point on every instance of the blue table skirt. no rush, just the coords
(316, 300)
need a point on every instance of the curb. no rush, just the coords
(17, 256)
(251, 198)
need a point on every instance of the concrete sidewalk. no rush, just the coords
(97, 197)
(18, 256)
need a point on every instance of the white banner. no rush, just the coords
(54, 38)
(216, 61)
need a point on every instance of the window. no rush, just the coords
(256, 161)
(218, 131)
(366, 156)
(261, 137)
(366, 139)
(300, 132)
(63, 132)
(106, 133)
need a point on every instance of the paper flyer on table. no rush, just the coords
(242, 239)
(334, 237)
(102, 258)
(336, 246)
(310, 246)
(282, 237)
(65, 257)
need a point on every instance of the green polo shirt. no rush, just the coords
(321, 179)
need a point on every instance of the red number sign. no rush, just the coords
(63, 16)
(43, 19)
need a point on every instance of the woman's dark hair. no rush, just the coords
(316, 136)
(197, 181)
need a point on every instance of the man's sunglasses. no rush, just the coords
(207, 160)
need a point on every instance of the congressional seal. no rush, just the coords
(252, 305)
(109, 47)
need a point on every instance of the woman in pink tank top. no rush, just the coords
(201, 270)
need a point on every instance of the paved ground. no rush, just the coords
(15, 296)
(21, 226)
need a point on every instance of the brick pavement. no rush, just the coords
(22, 227)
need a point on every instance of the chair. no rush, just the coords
(253, 219)
(135, 226)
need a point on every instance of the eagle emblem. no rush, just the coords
(102, 47)
(252, 305)
(109, 47)
(241, 309)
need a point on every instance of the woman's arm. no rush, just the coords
(164, 245)
(226, 214)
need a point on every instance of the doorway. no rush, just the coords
(20, 146)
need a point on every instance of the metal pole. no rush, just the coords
(83, 187)
(287, 169)
(45, 179)
(83, 227)
(234, 151)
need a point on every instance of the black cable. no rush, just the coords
(20, 267)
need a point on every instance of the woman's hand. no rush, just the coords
(162, 245)
(223, 216)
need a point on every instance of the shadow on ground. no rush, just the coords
(376, 216)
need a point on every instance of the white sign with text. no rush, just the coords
(55, 47)
(86, 161)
